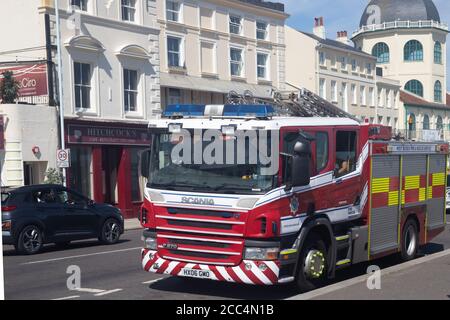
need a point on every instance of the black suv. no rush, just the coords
(35, 215)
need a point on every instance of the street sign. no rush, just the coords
(63, 158)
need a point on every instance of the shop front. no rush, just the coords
(105, 162)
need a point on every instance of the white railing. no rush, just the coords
(402, 24)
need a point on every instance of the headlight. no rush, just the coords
(150, 243)
(6, 225)
(261, 253)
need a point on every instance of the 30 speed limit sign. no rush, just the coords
(63, 158)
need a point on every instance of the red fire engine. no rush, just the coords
(344, 193)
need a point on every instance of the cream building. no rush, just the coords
(408, 39)
(210, 47)
(110, 63)
(341, 74)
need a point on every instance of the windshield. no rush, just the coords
(178, 163)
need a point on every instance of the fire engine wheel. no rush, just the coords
(312, 266)
(410, 241)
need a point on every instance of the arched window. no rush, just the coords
(412, 122)
(413, 51)
(437, 52)
(437, 91)
(426, 122)
(439, 123)
(381, 51)
(414, 86)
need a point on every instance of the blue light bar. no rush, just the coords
(229, 111)
(248, 110)
(184, 110)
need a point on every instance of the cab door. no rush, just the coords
(346, 177)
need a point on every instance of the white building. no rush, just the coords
(210, 47)
(111, 86)
(409, 40)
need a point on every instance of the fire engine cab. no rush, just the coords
(342, 192)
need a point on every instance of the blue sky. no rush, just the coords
(343, 15)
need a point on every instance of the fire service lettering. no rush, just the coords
(201, 201)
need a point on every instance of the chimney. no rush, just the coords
(342, 36)
(319, 28)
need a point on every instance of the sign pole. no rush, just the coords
(60, 86)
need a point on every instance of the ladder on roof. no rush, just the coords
(302, 103)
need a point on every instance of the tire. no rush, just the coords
(410, 241)
(312, 264)
(30, 240)
(110, 232)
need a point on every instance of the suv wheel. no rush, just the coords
(30, 240)
(110, 232)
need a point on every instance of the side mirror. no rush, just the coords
(144, 163)
(301, 164)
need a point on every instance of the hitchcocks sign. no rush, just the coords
(32, 78)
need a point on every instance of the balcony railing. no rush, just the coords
(424, 135)
(402, 24)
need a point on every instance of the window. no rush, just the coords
(381, 52)
(322, 58)
(173, 51)
(79, 4)
(343, 63)
(322, 89)
(69, 198)
(369, 69)
(354, 65)
(80, 171)
(437, 53)
(344, 94)
(412, 122)
(362, 95)
(334, 91)
(235, 24)
(414, 86)
(354, 101)
(128, 10)
(173, 11)
(380, 119)
(262, 65)
(372, 97)
(261, 30)
(130, 82)
(437, 91)
(321, 151)
(388, 121)
(82, 80)
(136, 194)
(439, 123)
(413, 51)
(380, 97)
(174, 96)
(345, 153)
(426, 122)
(236, 62)
(333, 61)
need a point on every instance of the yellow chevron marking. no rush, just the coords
(438, 179)
(380, 185)
(393, 198)
(422, 194)
(412, 182)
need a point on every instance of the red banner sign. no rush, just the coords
(32, 78)
(85, 134)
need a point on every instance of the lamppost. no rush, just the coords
(60, 86)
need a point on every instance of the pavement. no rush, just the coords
(114, 272)
(132, 224)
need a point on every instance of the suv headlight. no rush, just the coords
(261, 253)
(150, 243)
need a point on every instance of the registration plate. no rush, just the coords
(193, 273)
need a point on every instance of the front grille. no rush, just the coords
(199, 254)
(202, 213)
(195, 224)
(200, 243)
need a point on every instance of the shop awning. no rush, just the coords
(213, 85)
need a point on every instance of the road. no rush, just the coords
(114, 272)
